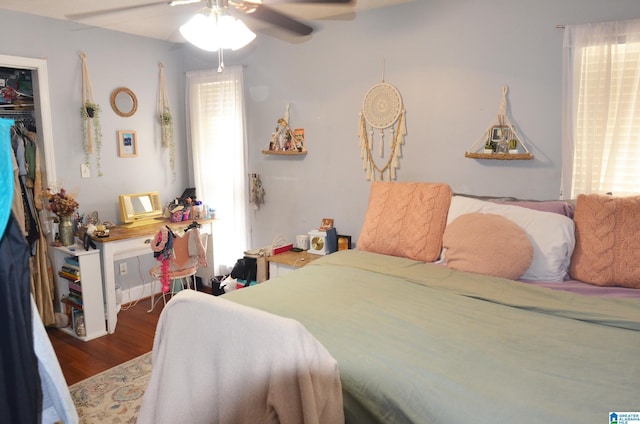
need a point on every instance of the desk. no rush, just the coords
(124, 243)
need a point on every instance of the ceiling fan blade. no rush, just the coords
(313, 1)
(273, 17)
(85, 15)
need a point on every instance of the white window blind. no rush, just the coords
(606, 115)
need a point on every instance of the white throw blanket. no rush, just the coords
(57, 404)
(215, 361)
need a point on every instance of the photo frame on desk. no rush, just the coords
(327, 223)
(127, 144)
(344, 242)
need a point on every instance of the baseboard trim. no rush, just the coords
(143, 291)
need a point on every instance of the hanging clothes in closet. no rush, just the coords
(20, 392)
(32, 386)
(27, 205)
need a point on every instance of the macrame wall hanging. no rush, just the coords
(92, 132)
(382, 109)
(500, 140)
(166, 121)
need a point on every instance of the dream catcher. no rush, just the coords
(382, 109)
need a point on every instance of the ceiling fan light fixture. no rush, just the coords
(183, 2)
(234, 33)
(213, 30)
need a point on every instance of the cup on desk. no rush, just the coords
(302, 241)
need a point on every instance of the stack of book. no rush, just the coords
(71, 271)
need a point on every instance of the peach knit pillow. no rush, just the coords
(487, 244)
(607, 251)
(405, 219)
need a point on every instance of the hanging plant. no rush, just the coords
(166, 120)
(92, 133)
(90, 112)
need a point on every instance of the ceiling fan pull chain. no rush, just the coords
(220, 60)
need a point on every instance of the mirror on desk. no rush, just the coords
(140, 208)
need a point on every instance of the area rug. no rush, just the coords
(115, 395)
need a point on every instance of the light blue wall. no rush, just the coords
(449, 59)
(114, 59)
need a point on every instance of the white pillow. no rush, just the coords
(552, 235)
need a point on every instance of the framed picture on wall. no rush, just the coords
(127, 144)
(498, 133)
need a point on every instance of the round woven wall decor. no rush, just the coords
(382, 105)
(381, 109)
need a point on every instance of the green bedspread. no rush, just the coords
(420, 343)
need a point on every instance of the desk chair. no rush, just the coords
(184, 254)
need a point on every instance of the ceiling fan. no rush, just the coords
(253, 8)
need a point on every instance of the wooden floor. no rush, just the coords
(133, 337)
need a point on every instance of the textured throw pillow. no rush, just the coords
(607, 249)
(487, 244)
(551, 235)
(405, 219)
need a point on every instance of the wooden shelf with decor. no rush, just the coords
(499, 156)
(286, 142)
(284, 152)
(500, 141)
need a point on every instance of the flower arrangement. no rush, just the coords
(61, 203)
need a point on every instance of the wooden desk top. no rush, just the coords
(297, 259)
(123, 233)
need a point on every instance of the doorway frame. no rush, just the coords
(42, 107)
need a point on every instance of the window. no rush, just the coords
(601, 135)
(215, 106)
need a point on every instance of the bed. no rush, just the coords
(421, 343)
(420, 338)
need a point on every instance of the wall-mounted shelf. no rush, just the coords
(284, 152)
(499, 139)
(499, 156)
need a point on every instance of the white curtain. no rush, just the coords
(215, 108)
(601, 108)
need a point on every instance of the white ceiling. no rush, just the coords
(157, 19)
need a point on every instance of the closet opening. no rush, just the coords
(24, 98)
